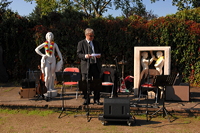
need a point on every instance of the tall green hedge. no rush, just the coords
(117, 36)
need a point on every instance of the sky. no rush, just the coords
(161, 8)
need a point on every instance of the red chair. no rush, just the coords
(72, 83)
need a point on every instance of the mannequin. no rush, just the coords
(48, 63)
(146, 62)
(159, 62)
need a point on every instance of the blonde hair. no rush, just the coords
(89, 30)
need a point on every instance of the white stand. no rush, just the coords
(51, 93)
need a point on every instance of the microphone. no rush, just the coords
(115, 58)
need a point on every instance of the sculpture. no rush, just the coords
(146, 62)
(159, 62)
(48, 63)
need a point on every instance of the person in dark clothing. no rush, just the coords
(89, 51)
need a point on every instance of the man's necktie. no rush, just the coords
(90, 48)
(92, 60)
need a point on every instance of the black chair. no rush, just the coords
(108, 81)
(147, 77)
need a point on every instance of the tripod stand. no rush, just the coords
(90, 85)
(164, 80)
(117, 75)
(64, 77)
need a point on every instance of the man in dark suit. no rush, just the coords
(90, 65)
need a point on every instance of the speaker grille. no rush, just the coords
(117, 108)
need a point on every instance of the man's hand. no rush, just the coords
(87, 56)
(98, 56)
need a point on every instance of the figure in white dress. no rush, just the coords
(159, 62)
(48, 63)
(146, 62)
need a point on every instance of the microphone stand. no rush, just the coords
(148, 81)
(117, 71)
(117, 77)
(88, 87)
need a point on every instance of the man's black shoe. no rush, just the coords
(97, 102)
(86, 102)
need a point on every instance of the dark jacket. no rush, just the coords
(82, 49)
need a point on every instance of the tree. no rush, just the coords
(95, 8)
(45, 6)
(191, 14)
(140, 10)
(183, 4)
(3, 5)
(92, 8)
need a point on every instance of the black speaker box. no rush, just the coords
(117, 108)
(33, 75)
(26, 83)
